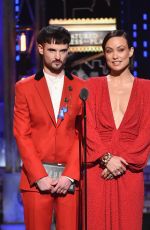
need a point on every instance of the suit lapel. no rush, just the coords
(66, 95)
(43, 91)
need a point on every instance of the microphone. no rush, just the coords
(83, 173)
(84, 94)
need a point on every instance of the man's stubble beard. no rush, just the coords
(55, 70)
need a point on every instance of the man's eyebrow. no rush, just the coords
(51, 49)
(64, 49)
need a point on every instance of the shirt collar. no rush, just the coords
(52, 77)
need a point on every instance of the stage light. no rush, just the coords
(135, 64)
(134, 44)
(134, 26)
(144, 26)
(145, 53)
(134, 34)
(23, 41)
(135, 73)
(17, 58)
(144, 16)
(145, 44)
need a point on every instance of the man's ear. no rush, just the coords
(40, 49)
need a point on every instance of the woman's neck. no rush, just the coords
(125, 76)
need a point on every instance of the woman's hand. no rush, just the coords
(106, 174)
(117, 165)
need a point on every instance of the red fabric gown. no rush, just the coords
(117, 204)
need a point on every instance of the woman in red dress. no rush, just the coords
(118, 140)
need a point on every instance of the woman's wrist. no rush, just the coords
(105, 159)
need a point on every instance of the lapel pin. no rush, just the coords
(66, 99)
(70, 88)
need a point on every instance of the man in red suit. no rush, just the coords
(46, 119)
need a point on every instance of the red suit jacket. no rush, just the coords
(39, 138)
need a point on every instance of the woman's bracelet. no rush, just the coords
(105, 159)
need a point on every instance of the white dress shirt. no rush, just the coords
(55, 86)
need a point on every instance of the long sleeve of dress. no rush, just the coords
(137, 152)
(95, 146)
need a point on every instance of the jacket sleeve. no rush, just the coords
(22, 132)
(72, 168)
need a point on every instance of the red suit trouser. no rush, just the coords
(38, 209)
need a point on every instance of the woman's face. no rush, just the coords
(117, 54)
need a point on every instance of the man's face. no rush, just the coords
(54, 56)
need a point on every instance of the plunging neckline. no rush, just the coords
(128, 104)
